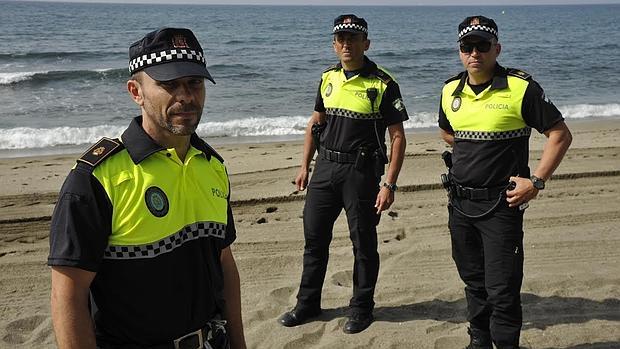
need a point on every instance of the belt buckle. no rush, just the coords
(198, 332)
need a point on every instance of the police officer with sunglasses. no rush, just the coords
(486, 114)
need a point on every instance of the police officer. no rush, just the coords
(486, 113)
(356, 101)
(139, 243)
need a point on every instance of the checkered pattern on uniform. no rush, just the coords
(477, 27)
(492, 136)
(350, 26)
(351, 114)
(145, 61)
(169, 243)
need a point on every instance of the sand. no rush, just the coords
(571, 289)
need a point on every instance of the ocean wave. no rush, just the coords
(59, 55)
(34, 138)
(29, 137)
(580, 111)
(12, 78)
(35, 77)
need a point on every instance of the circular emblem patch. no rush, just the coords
(328, 89)
(456, 103)
(156, 201)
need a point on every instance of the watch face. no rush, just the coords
(538, 183)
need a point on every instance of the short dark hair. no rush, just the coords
(137, 76)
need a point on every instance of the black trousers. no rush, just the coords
(488, 253)
(335, 186)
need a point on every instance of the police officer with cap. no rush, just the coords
(140, 237)
(486, 114)
(355, 104)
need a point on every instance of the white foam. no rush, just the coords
(269, 126)
(580, 111)
(11, 78)
(28, 138)
(21, 138)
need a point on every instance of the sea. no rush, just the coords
(63, 66)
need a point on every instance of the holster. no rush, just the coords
(362, 159)
(316, 130)
(379, 162)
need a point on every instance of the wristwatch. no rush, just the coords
(392, 187)
(538, 182)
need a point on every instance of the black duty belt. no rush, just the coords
(478, 193)
(337, 156)
(214, 333)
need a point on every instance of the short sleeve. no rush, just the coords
(443, 121)
(392, 107)
(81, 222)
(318, 104)
(537, 109)
(231, 231)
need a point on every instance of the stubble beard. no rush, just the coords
(164, 122)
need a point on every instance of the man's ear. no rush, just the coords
(135, 91)
(367, 45)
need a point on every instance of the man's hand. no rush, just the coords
(385, 198)
(523, 192)
(302, 179)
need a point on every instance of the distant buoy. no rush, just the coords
(503, 12)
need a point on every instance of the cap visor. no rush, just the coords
(478, 33)
(176, 70)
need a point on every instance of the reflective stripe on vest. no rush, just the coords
(492, 115)
(348, 98)
(161, 203)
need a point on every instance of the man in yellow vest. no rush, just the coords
(140, 236)
(355, 104)
(486, 114)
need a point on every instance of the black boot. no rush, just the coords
(479, 339)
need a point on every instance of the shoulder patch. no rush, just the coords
(456, 77)
(100, 151)
(383, 76)
(331, 67)
(518, 73)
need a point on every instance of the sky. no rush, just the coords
(360, 2)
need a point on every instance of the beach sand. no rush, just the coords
(571, 288)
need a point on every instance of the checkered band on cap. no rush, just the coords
(477, 27)
(178, 55)
(493, 136)
(190, 232)
(353, 26)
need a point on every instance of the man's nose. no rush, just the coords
(184, 93)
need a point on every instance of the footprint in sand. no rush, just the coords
(450, 342)
(343, 278)
(308, 339)
(400, 235)
(22, 330)
(282, 293)
(271, 209)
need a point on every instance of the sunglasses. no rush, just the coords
(481, 46)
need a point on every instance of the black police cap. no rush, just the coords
(350, 23)
(167, 54)
(480, 26)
